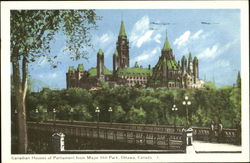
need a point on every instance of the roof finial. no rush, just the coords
(166, 33)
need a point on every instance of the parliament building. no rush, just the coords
(166, 73)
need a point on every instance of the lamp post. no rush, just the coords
(186, 103)
(45, 115)
(174, 109)
(36, 111)
(110, 114)
(54, 115)
(97, 110)
(71, 114)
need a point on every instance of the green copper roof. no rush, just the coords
(122, 30)
(166, 45)
(172, 65)
(183, 58)
(93, 71)
(80, 67)
(71, 68)
(190, 56)
(100, 52)
(134, 71)
(116, 52)
(195, 59)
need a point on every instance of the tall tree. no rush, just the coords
(31, 34)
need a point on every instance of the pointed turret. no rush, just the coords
(71, 69)
(183, 65)
(122, 32)
(190, 57)
(116, 53)
(166, 46)
(100, 64)
(80, 68)
(100, 52)
(238, 81)
(190, 63)
(196, 69)
(166, 50)
(116, 61)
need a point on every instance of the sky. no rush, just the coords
(216, 43)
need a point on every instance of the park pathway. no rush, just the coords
(206, 147)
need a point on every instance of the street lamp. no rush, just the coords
(54, 115)
(36, 111)
(71, 114)
(97, 110)
(45, 114)
(186, 103)
(174, 109)
(110, 114)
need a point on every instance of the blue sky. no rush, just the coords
(217, 45)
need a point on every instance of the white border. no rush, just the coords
(5, 70)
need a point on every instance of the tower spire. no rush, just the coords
(166, 44)
(122, 29)
(166, 34)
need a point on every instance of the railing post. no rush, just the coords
(58, 142)
(154, 139)
(105, 134)
(125, 136)
(114, 136)
(143, 138)
(134, 137)
(184, 139)
(167, 141)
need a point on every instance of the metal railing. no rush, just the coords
(231, 136)
(157, 139)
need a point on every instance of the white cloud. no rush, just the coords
(146, 55)
(197, 34)
(187, 37)
(142, 57)
(157, 38)
(209, 52)
(104, 38)
(182, 40)
(223, 63)
(145, 38)
(141, 34)
(215, 50)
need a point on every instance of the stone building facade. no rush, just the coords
(166, 73)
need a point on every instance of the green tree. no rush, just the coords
(153, 109)
(31, 34)
(118, 114)
(81, 113)
(135, 115)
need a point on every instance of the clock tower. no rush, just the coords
(122, 47)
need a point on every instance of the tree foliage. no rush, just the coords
(148, 106)
(31, 34)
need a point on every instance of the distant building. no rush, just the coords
(166, 73)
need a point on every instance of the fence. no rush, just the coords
(150, 139)
(231, 136)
